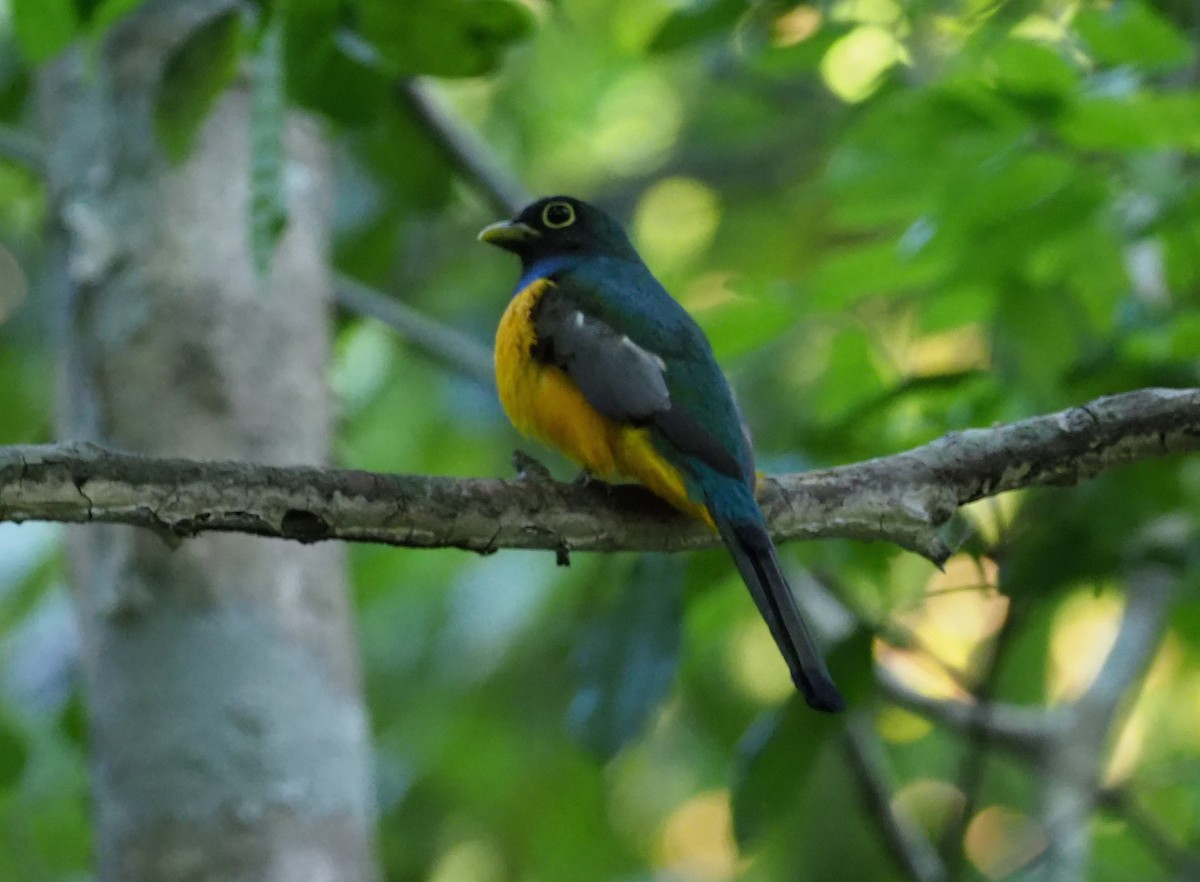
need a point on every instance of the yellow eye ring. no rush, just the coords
(557, 215)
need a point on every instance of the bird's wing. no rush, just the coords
(621, 379)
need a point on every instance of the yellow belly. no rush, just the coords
(543, 401)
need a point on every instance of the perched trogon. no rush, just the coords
(594, 357)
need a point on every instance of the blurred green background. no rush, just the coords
(895, 219)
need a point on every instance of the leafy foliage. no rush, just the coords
(43, 29)
(195, 76)
(446, 38)
(626, 657)
(894, 221)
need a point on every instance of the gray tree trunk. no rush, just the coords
(228, 733)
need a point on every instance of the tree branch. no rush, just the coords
(902, 498)
(468, 152)
(442, 343)
(1071, 767)
(906, 842)
(1066, 745)
(1023, 731)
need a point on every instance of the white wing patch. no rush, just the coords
(643, 353)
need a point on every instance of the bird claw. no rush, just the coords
(584, 479)
(530, 469)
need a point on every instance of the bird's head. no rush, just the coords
(559, 226)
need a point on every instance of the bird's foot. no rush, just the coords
(584, 479)
(587, 478)
(530, 469)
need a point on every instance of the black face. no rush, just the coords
(560, 225)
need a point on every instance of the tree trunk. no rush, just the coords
(228, 733)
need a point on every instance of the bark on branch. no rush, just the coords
(903, 498)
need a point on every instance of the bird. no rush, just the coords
(594, 357)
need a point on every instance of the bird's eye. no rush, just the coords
(557, 215)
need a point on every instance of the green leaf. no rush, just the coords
(880, 173)
(1133, 33)
(194, 77)
(870, 269)
(445, 38)
(14, 754)
(1083, 535)
(15, 79)
(772, 765)
(1142, 121)
(626, 657)
(108, 13)
(406, 159)
(1014, 186)
(745, 323)
(805, 56)
(73, 720)
(268, 209)
(696, 23)
(327, 70)
(44, 27)
(1036, 339)
(852, 375)
(1033, 70)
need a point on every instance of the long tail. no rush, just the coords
(754, 554)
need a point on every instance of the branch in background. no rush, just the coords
(977, 753)
(1066, 745)
(901, 499)
(474, 160)
(895, 634)
(1023, 731)
(458, 351)
(470, 155)
(908, 845)
(1071, 768)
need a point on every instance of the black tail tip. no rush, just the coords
(824, 697)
